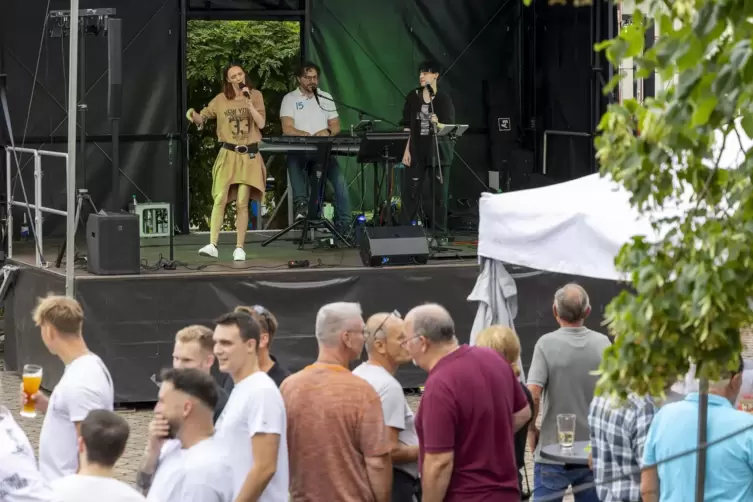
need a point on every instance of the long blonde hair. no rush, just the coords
(504, 341)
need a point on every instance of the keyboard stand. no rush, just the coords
(318, 182)
(382, 150)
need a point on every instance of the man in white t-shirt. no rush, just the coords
(386, 354)
(20, 480)
(103, 439)
(253, 427)
(183, 461)
(309, 111)
(86, 385)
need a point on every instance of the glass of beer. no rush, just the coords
(32, 378)
(566, 430)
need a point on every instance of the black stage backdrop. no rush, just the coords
(131, 323)
(151, 101)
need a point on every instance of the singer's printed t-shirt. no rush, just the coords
(308, 115)
(255, 407)
(235, 125)
(86, 385)
(196, 474)
(417, 117)
(20, 481)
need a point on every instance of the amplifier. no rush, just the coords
(113, 244)
(405, 245)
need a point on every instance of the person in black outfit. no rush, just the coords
(426, 108)
(267, 362)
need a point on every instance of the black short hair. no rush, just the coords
(193, 382)
(247, 325)
(309, 65)
(105, 435)
(429, 66)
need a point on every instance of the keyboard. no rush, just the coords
(341, 145)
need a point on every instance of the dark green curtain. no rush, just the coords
(369, 52)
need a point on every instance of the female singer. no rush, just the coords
(238, 173)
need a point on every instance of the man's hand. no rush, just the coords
(406, 158)
(159, 429)
(197, 118)
(435, 119)
(533, 438)
(41, 401)
(323, 132)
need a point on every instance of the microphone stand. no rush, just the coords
(437, 166)
(361, 113)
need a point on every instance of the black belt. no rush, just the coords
(242, 149)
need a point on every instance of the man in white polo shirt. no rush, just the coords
(309, 111)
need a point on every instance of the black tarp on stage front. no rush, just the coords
(131, 322)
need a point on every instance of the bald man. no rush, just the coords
(561, 379)
(383, 339)
(471, 408)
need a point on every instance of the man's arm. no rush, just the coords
(650, 484)
(156, 434)
(265, 448)
(520, 403)
(641, 424)
(288, 128)
(533, 431)
(538, 376)
(379, 472)
(401, 453)
(374, 444)
(436, 474)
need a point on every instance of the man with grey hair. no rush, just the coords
(337, 439)
(471, 408)
(384, 334)
(561, 380)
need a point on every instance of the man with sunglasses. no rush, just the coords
(384, 336)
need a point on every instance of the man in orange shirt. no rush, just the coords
(338, 442)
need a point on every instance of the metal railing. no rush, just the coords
(37, 206)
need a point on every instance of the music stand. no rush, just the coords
(318, 181)
(386, 149)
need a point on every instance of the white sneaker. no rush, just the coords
(239, 254)
(209, 250)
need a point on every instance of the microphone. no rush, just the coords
(430, 89)
(244, 89)
(315, 90)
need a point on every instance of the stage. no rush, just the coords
(131, 321)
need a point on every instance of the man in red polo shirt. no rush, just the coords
(471, 408)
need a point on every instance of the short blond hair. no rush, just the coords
(504, 341)
(61, 312)
(197, 333)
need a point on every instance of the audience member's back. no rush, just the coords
(330, 411)
(563, 363)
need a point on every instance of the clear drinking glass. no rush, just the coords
(566, 429)
(32, 379)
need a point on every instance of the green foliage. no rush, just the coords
(690, 285)
(268, 51)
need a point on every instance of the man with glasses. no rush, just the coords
(267, 362)
(471, 408)
(308, 111)
(384, 336)
(339, 449)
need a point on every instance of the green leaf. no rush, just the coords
(689, 53)
(688, 80)
(633, 34)
(740, 56)
(702, 110)
(617, 50)
(747, 123)
(707, 19)
(725, 80)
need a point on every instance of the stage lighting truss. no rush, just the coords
(92, 22)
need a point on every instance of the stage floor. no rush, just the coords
(275, 257)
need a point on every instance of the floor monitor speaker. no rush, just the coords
(113, 243)
(405, 245)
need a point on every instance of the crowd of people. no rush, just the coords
(326, 433)
(260, 433)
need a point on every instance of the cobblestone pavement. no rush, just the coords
(137, 419)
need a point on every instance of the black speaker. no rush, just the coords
(114, 67)
(113, 243)
(394, 246)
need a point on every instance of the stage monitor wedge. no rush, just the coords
(384, 246)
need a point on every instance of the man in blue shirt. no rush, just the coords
(729, 475)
